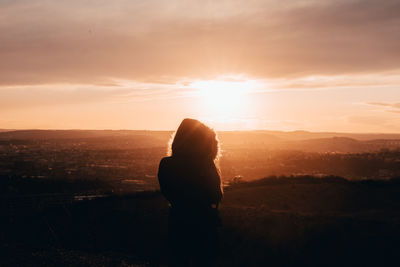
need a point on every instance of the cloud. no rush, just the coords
(392, 107)
(385, 104)
(97, 42)
(320, 82)
(118, 92)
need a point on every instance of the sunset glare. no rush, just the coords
(224, 98)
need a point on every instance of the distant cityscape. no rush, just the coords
(128, 161)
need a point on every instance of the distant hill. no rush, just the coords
(77, 134)
(298, 140)
(334, 144)
(310, 142)
(104, 139)
(228, 136)
(304, 135)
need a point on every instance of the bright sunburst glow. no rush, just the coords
(224, 98)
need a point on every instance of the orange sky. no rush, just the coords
(311, 65)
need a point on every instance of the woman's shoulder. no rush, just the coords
(163, 166)
(165, 161)
(168, 162)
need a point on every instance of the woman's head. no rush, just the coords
(194, 139)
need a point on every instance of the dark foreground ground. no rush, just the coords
(272, 222)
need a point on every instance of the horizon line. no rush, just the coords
(148, 130)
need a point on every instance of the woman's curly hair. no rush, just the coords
(194, 139)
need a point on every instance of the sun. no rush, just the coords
(223, 98)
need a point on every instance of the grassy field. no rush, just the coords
(301, 221)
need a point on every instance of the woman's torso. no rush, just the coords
(189, 183)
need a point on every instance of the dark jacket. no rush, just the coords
(189, 183)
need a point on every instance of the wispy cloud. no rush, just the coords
(385, 104)
(393, 107)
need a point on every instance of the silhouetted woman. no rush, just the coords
(190, 181)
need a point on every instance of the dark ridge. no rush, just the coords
(308, 179)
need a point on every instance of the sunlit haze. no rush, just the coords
(297, 65)
(223, 99)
